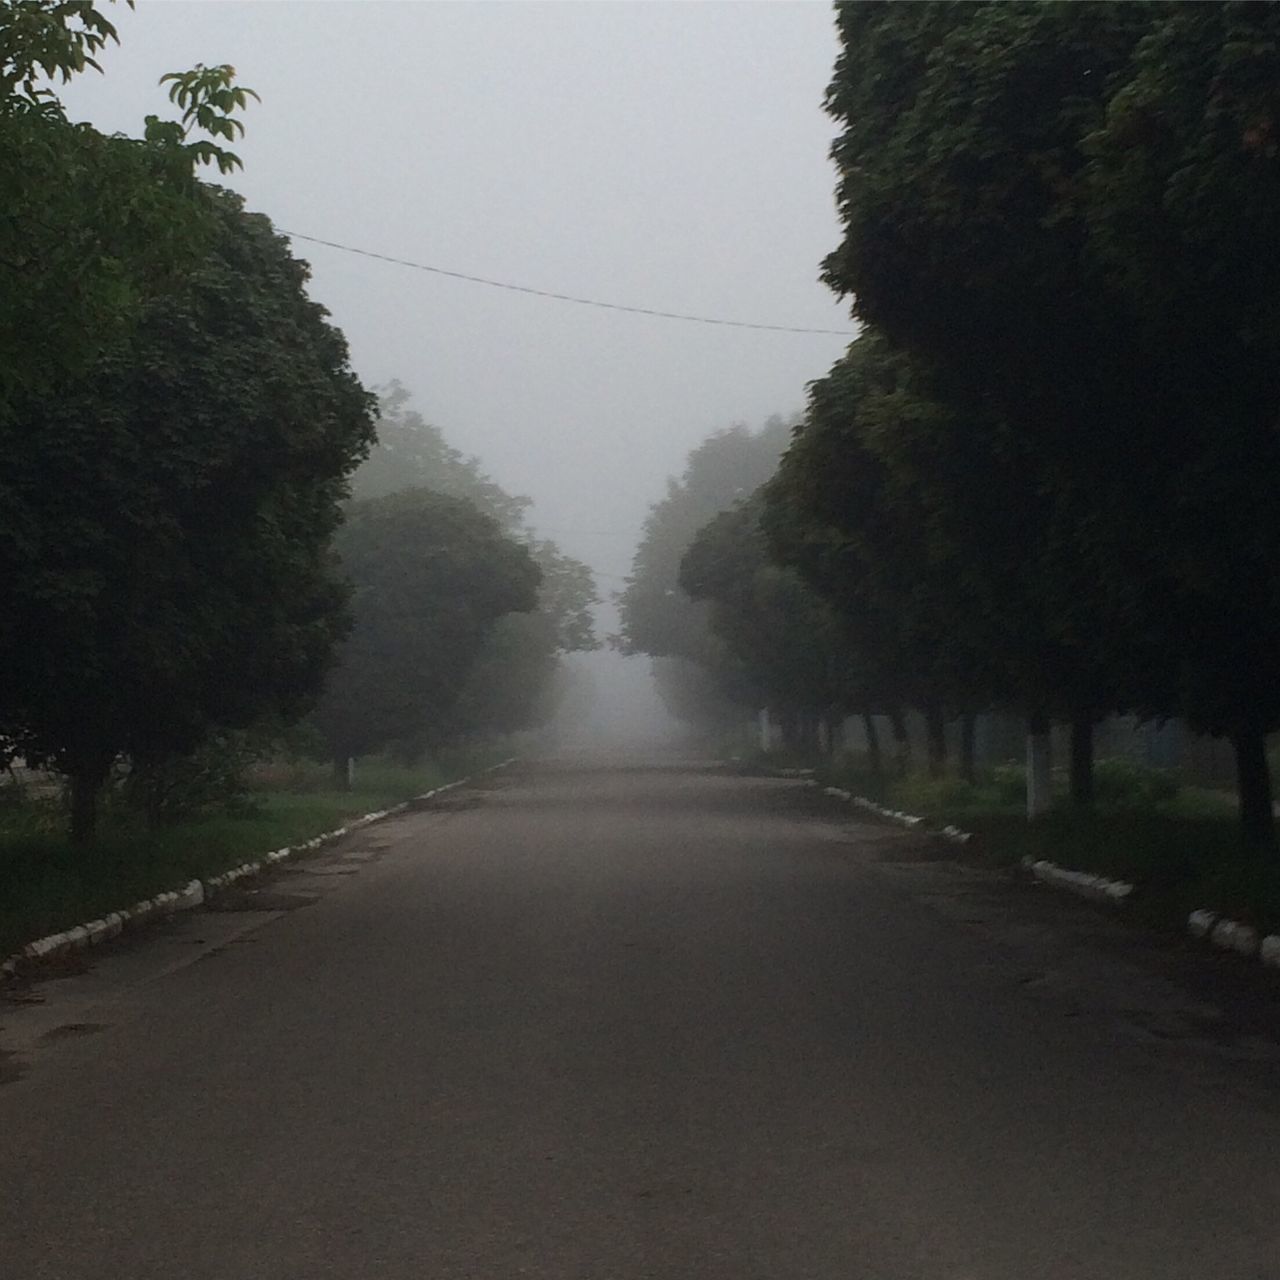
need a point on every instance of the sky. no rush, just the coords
(670, 156)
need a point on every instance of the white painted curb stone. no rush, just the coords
(896, 815)
(1200, 923)
(1232, 936)
(1096, 888)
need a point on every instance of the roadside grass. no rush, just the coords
(1178, 845)
(46, 884)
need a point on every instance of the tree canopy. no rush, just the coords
(167, 516)
(514, 681)
(91, 226)
(430, 576)
(1063, 210)
(658, 617)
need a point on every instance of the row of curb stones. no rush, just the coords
(194, 893)
(1226, 934)
(1231, 935)
(954, 834)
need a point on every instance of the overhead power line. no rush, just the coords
(564, 297)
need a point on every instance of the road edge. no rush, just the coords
(1204, 925)
(192, 895)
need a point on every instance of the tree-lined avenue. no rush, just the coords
(593, 1022)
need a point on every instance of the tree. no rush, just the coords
(779, 641)
(913, 517)
(431, 576)
(91, 226)
(514, 682)
(658, 617)
(1063, 208)
(1180, 199)
(168, 515)
(412, 453)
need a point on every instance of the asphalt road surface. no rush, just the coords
(604, 1023)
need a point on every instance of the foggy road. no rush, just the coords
(604, 1023)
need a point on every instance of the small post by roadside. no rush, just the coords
(1039, 796)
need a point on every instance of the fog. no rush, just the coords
(663, 156)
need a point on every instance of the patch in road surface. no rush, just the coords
(10, 1068)
(259, 900)
(69, 1030)
(1152, 989)
(448, 803)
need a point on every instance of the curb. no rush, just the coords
(912, 820)
(1112, 893)
(194, 893)
(1232, 935)
(1219, 931)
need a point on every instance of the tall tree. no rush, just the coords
(1063, 206)
(431, 575)
(658, 617)
(168, 515)
(412, 453)
(780, 642)
(514, 682)
(92, 225)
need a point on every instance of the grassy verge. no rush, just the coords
(1178, 845)
(47, 885)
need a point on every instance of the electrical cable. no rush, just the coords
(564, 297)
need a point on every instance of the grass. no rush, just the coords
(1180, 846)
(46, 884)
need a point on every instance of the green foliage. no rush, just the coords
(1065, 212)
(209, 97)
(43, 40)
(212, 778)
(412, 453)
(780, 643)
(514, 682)
(885, 503)
(1010, 783)
(48, 884)
(430, 577)
(91, 226)
(166, 517)
(565, 597)
(658, 617)
(696, 695)
(1122, 782)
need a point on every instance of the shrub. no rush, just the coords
(214, 777)
(1125, 783)
(1009, 782)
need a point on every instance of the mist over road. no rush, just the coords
(602, 1021)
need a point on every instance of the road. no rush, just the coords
(600, 1023)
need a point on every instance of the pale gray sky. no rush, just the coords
(662, 155)
(665, 155)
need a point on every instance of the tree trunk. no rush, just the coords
(901, 742)
(1253, 782)
(344, 769)
(936, 726)
(968, 747)
(875, 757)
(1039, 789)
(1082, 762)
(86, 782)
